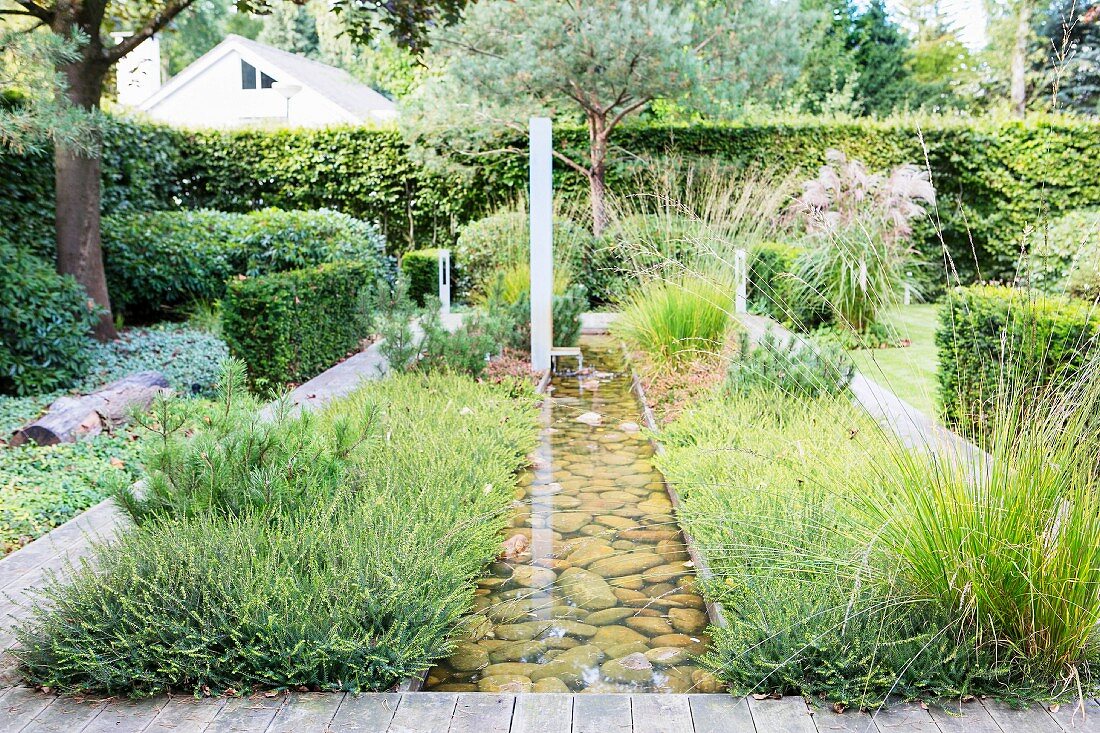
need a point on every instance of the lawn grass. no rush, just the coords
(908, 372)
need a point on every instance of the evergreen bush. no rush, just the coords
(45, 325)
(421, 268)
(290, 326)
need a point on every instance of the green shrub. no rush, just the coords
(769, 484)
(160, 262)
(45, 322)
(421, 268)
(998, 347)
(793, 367)
(500, 241)
(353, 574)
(1065, 256)
(770, 284)
(290, 326)
(676, 320)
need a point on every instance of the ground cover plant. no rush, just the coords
(335, 551)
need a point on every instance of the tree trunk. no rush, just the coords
(1019, 58)
(597, 171)
(77, 183)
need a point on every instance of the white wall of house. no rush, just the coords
(215, 98)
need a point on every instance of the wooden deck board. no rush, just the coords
(661, 714)
(904, 718)
(424, 711)
(720, 714)
(482, 713)
(245, 715)
(971, 717)
(601, 714)
(20, 706)
(306, 711)
(369, 713)
(125, 716)
(1035, 719)
(786, 715)
(543, 713)
(828, 721)
(186, 715)
(1081, 717)
(65, 715)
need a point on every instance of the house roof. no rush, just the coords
(336, 85)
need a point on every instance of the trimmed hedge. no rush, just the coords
(45, 321)
(421, 268)
(160, 261)
(994, 178)
(998, 342)
(1065, 256)
(290, 326)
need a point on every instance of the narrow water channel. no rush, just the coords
(597, 591)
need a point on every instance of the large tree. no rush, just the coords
(77, 171)
(882, 56)
(1072, 35)
(597, 61)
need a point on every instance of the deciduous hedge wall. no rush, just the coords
(994, 177)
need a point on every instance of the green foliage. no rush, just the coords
(676, 320)
(190, 359)
(1009, 545)
(290, 326)
(1001, 348)
(994, 177)
(160, 262)
(771, 288)
(793, 367)
(421, 268)
(501, 241)
(768, 483)
(41, 488)
(1064, 256)
(353, 575)
(45, 322)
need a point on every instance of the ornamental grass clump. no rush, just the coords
(674, 321)
(1009, 542)
(338, 551)
(858, 227)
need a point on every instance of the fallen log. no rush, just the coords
(69, 419)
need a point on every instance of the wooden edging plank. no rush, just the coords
(657, 713)
(367, 713)
(788, 714)
(720, 714)
(602, 714)
(186, 715)
(545, 712)
(971, 717)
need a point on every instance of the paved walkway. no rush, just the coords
(24, 711)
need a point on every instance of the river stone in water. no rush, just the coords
(687, 620)
(632, 669)
(650, 626)
(570, 665)
(469, 657)
(666, 656)
(550, 684)
(504, 683)
(586, 589)
(628, 563)
(608, 616)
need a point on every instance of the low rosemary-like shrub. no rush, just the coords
(335, 552)
(772, 488)
(792, 367)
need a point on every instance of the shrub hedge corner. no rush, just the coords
(288, 327)
(421, 267)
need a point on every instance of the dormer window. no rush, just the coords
(249, 77)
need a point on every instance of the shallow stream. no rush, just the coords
(595, 592)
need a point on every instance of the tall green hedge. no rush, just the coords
(290, 326)
(160, 261)
(994, 177)
(996, 343)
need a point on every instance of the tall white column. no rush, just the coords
(445, 281)
(542, 243)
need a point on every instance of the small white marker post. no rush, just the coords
(445, 282)
(542, 243)
(741, 276)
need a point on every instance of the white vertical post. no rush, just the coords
(542, 243)
(907, 299)
(741, 275)
(445, 281)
